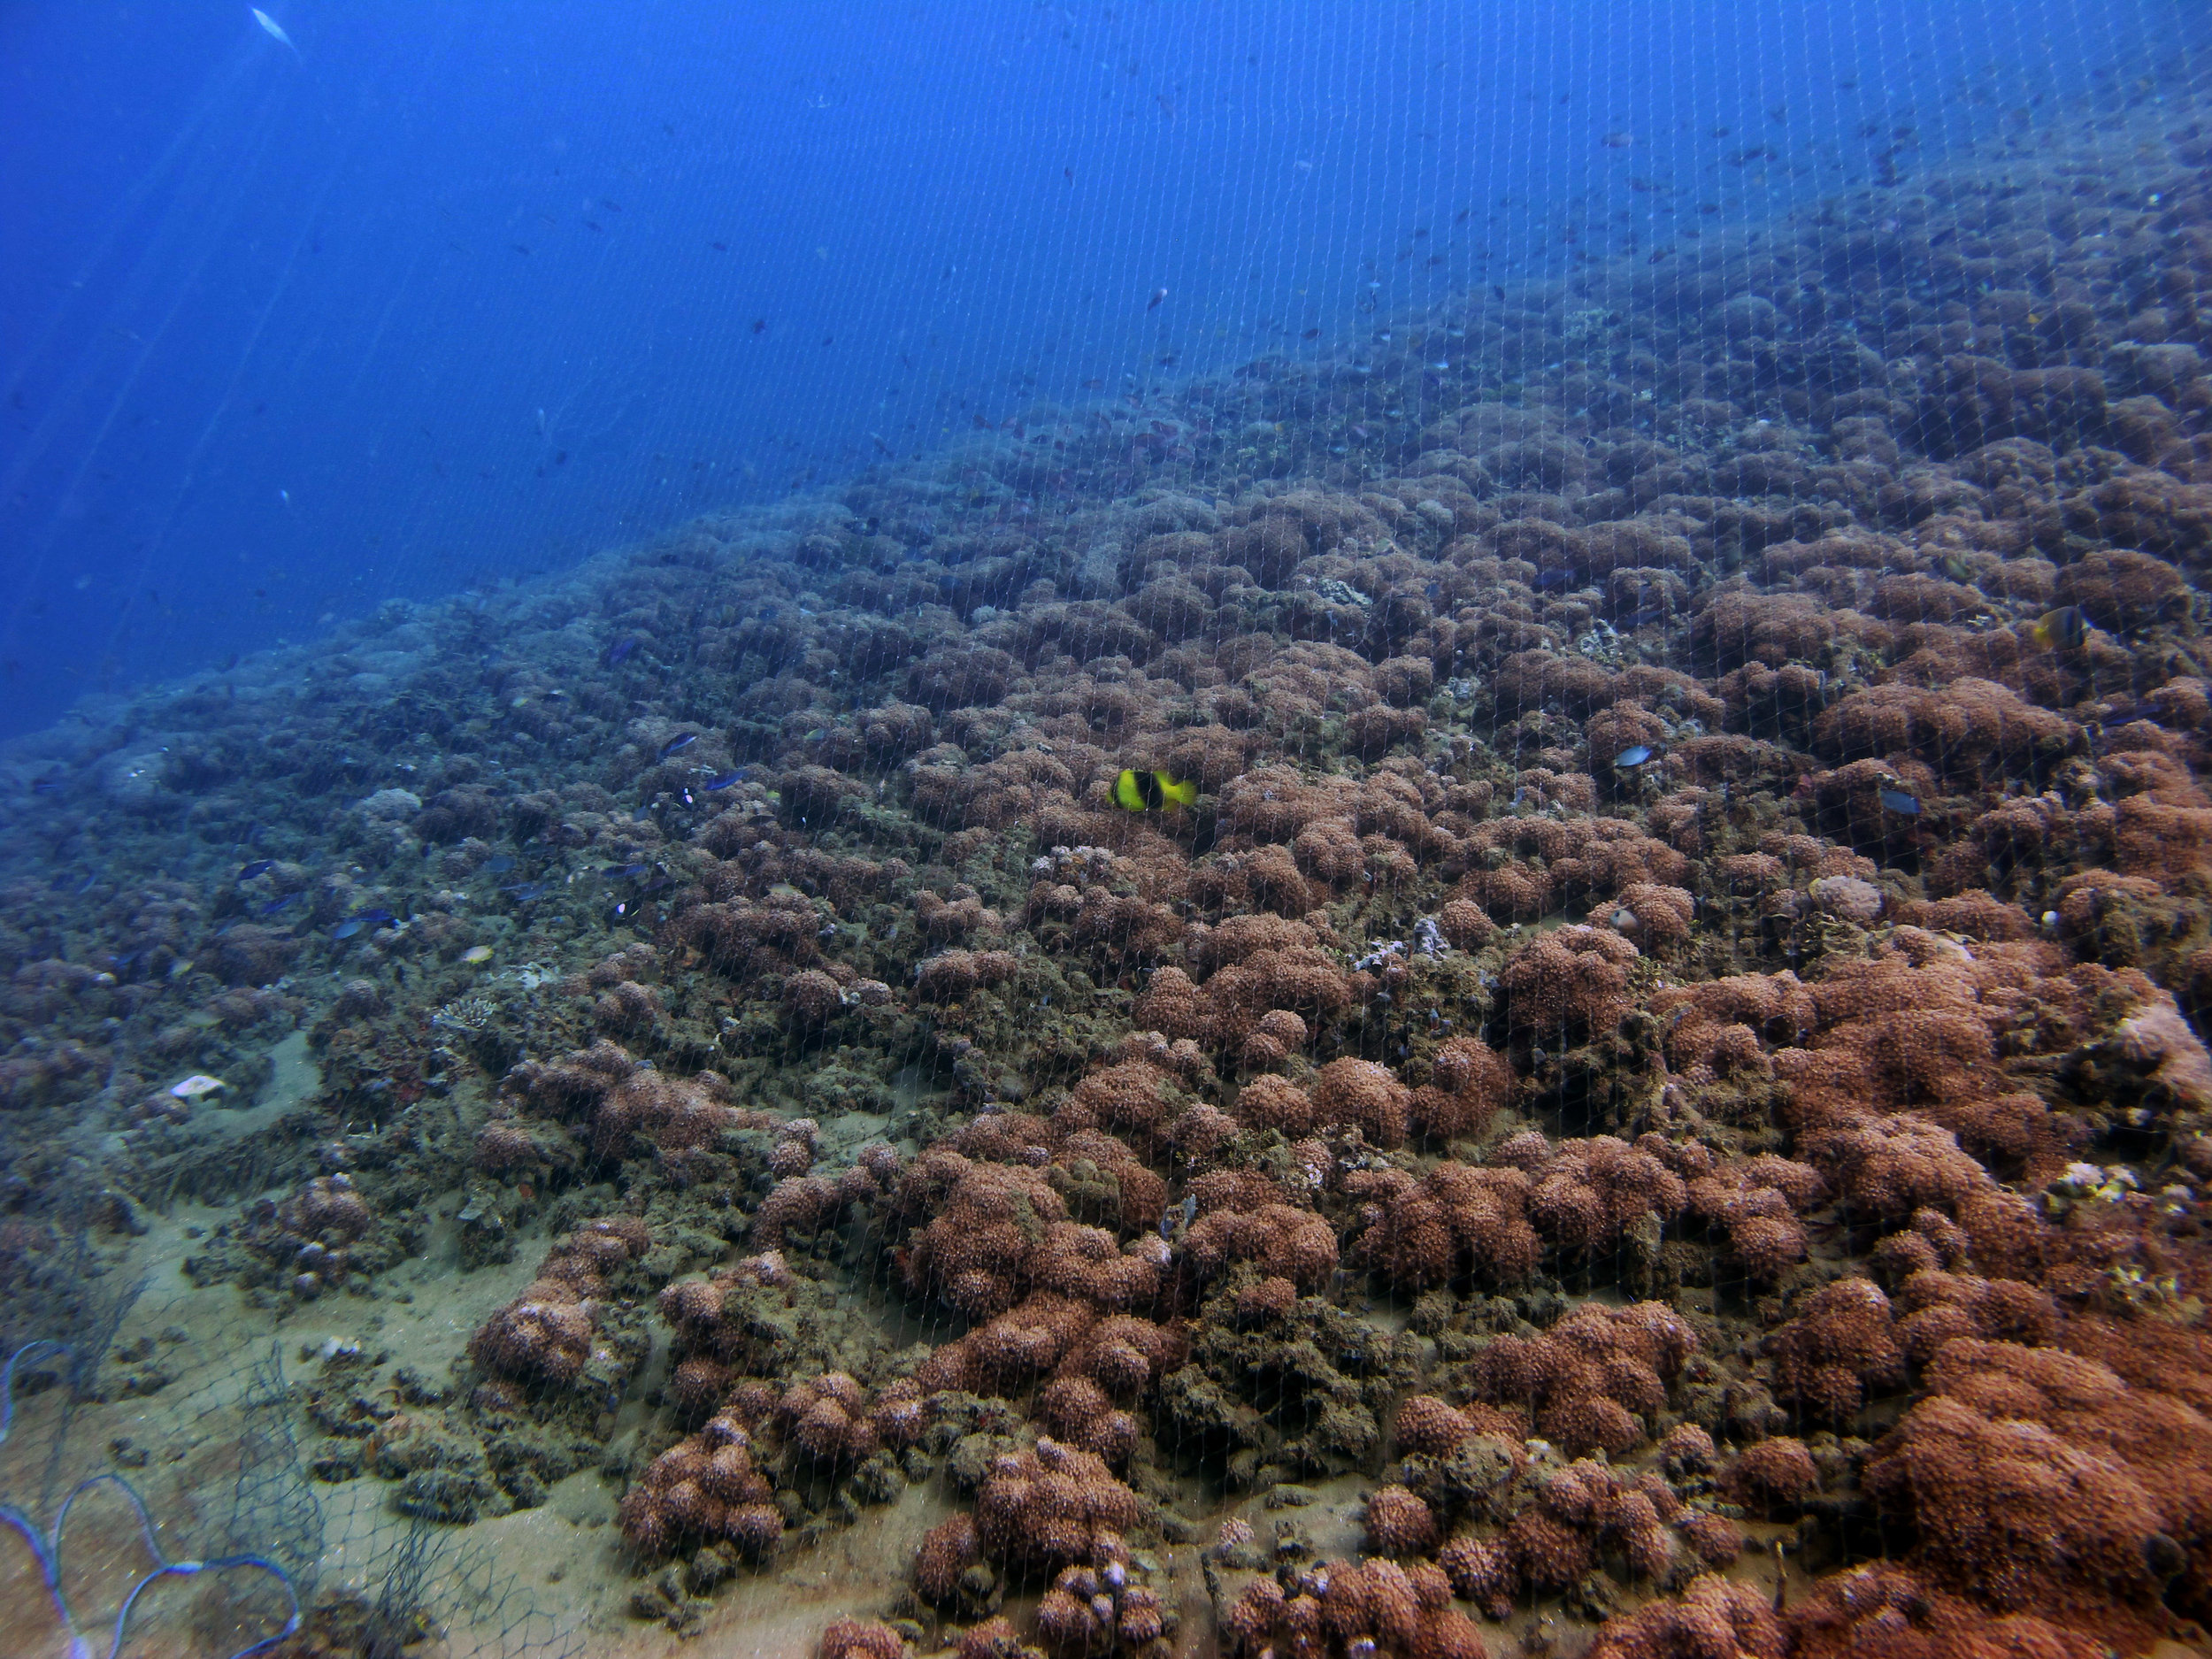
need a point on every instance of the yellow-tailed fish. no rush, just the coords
(1153, 791)
(2061, 630)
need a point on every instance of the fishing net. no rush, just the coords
(159, 1502)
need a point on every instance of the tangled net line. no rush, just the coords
(46, 1543)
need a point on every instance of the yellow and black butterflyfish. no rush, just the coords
(1153, 791)
(2061, 630)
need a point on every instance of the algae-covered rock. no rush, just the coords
(452, 1495)
(1471, 1480)
(1306, 1392)
(878, 1480)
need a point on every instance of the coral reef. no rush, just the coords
(1668, 1025)
(1051, 1506)
(1595, 1378)
(552, 1332)
(706, 1486)
(860, 1639)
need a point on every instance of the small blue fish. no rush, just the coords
(86, 884)
(500, 864)
(620, 872)
(726, 781)
(375, 918)
(347, 929)
(259, 867)
(49, 786)
(677, 745)
(1898, 801)
(1630, 758)
(619, 651)
(525, 891)
(1180, 1214)
(275, 905)
(1555, 581)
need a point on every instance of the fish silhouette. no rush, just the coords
(274, 30)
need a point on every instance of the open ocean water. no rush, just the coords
(1288, 831)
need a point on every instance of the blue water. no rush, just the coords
(456, 293)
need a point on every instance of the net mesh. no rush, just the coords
(206, 1533)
